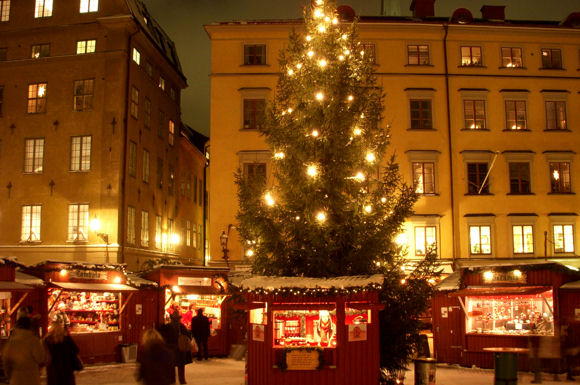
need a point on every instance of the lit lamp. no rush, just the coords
(224, 236)
(95, 226)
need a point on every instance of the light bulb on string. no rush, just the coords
(249, 253)
(312, 170)
(269, 200)
(279, 155)
(347, 52)
(335, 21)
(322, 63)
(383, 200)
(370, 157)
(321, 28)
(319, 96)
(318, 13)
(299, 65)
(308, 38)
(360, 176)
(368, 209)
(290, 110)
(321, 216)
(290, 72)
(314, 133)
(350, 98)
(344, 36)
(341, 57)
(310, 53)
(357, 131)
(327, 19)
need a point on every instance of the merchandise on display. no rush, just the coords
(187, 305)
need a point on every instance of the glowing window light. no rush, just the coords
(319, 2)
(312, 170)
(370, 157)
(175, 289)
(556, 175)
(319, 96)
(321, 216)
(368, 209)
(269, 200)
(279, 155)
(117, 280)
(517, 273)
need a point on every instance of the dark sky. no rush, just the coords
(183, 20)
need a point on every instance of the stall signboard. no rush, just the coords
(495, 277)
(576, 314)
(357, 332)
(88, 274)
(302, 359)
(194, 281)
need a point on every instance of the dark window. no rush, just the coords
(421, 113)
(1, 98)
(476, 173)
(474, 111)
(519, 178)
(556, 115)
(471, 56)
(418, 54)
(254, 113)
(83, 94)
(132, 159)
(551, 58)
(161, 124)
(560, 177)
(254, 54)
(159, 173)
(3, 54)
(135, 102)
(255, 172)
(515, 111)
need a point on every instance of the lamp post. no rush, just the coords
(96, 226)
(224, 237)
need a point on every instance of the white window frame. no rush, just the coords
(158, 232)
(523, 221)
(425, 156)
(564, 221)
(80, 154)
(34, 155)
(31, 223)
(4, 10)
(131, 225)
(145, 228)
(481, 221)
(43, 8)
(137, 56)
(416, 221)
(473, 96)
(78, 222)
(188, 233)
(257, 93)
(146, 166)
(418, 44)
(560, 157)
(89, 6)
(86, 46)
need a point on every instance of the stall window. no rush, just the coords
(305, 328)
(85, 312)
(5, 322)
(259, 316)
(521, 314)
(188, 303)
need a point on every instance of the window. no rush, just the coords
(254, 113)
(523, 239)
(418, 54)
(89, 6)
(78, 221)
(171, 181)
(162, 83)
(149, 69)
(515, 111)
(170, 234)
(4, 10)
(158, 230)
(425, 239)
(34, 155)
(474, 113)
(83, 94)
(421, 114)
(556, 115)
(255, 172)
(171, 137)
(255, 54)
(131, 225)
(511, 57)
(136, 56)
(519, 177)
(172, 93)
(134, 102)
(195, 189)
(86, 46)
(476, 173)
(551, 58)
(161, 124)
(194, 236)
(43, 8)
(424, 177)
(3, 54)
(471, 56)
(80, 154)
(560, 177)
(40, 50)
(369, 50)
(36, 98)
(132, 159)
(30, 223)
(563, 238)
(188, 186)
(145, 228)
(316, 327)
(188, 233)
(199, 236)
(480, 239)
(147, 111)
(182, 184)
(159, 173)
(1, 98)
(200, 200)
(145, 166)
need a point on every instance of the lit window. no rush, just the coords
(424, 177)
(480, 239)
(418, 54)
(136, 56)
(194, 237)
(563, 238)
(171, 127)
(78, 221)
(162, 83)
(254, 113)
(421, 116)
(30, 223)
(80, 157)
(523, 239)
(519, 177)
(171, 180)
(314, 327)
(158, 232)
(556, 115)
(471, 56)
(132, 159)
(40, 50)
(43, 8)
(188, 233)
(83, 94)
(515, 111)
(199, 236)
(144, 228)
(511, 57)
(36, 98)
(476, 173)
(34, 155)
(425, 239)
(170, 234)
(551, 58)
(86, 46)
(89, 6)
(4, 10)
(560, 177)
(134, 102)
(131, 225)
(474, 113)
(255, 54)
(145, 166)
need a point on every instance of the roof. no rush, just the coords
(449, 283)
(273, 283)
(93, 286)
(139, 282)
(28, 279)
(81, 265)
(196, 138)
(574, 285)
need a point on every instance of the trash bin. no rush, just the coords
(506, 368)
(425, 371)
(129, 352)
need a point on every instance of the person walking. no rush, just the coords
(63, 352)
(200, 331)
(23, 355)
(156, 360)
(170, 333)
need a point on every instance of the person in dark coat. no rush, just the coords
(170, 333)
(156, 360)
(200, 331)
(62, 351)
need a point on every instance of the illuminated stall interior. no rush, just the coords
(186, 302)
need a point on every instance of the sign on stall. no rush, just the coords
(193, 281)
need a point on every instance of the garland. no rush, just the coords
(316, 292)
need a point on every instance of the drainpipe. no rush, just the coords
(205, 205)
(450, 144)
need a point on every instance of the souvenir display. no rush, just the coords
(187, 305)
(305, 328)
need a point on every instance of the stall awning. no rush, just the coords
(14, 286)
(94, 286)
(575, 285)
(499, 290)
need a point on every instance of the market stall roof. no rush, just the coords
(14, 286)
(574, 285)
(187, 267)
(273, 283)
(569, 264)
(93, 286)
(27, 279)
(137, 281)
(82, 265)
(449, 283)
(500, 290)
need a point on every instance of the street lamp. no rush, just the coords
(95, 227)
(224, 243)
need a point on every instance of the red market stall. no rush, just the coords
(188, 288)
(90, 299)
(519, 306)
(313, 331)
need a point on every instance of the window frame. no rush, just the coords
(132, 161)
(553, 123)
(36, 103)
(253, 116)
(134, 102)
(426, 246)
(474, 187)
(171, 132)
(470, 56)
(136, 56)
(85, 94)
(88, 6)
(36, 159)
(40, 50)
(131, 225)
(523, 227)
(556, 184)
(517, 110)
(77, 221)
(4, 11)
(479, 242)
(80, 163)
(158, 232)
(252, 57)
(423, 118)
(33, 225)
(85, 47)
(43, 9)
(519, 178)
(423, 176)
(146, 174)
(549, 52)
(419, 54)
(372, 47)
(511, 60)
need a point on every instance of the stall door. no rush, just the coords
(448, 330)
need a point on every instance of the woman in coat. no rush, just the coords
(156, 366)
(170, 333)
(63, 352)
(23, 355)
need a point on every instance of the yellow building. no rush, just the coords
(89, 131)
(483, 118)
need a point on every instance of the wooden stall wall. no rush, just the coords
(140, 313)
(448, 328)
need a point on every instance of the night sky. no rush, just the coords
(183, 20)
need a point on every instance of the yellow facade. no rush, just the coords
(442, 91)
(127, 110)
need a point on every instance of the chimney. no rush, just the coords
(423, 8)
(493, 12)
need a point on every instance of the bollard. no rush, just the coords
(425, 371)
(506, 368)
